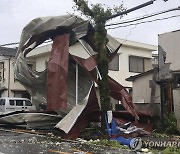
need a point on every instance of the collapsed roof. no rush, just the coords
(56, 85)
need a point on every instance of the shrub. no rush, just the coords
(168, 126)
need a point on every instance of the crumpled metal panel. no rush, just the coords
(33, 81)
(35, 33)
(89, 111)
(57, 73)
(117, 91)
(41, 29)
(33, 120)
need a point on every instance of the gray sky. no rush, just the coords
(15, 14)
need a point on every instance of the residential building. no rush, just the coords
(155, 59)
(146, 93)
(132, 58)
(169, 45)
(9, 87)
(161, 89)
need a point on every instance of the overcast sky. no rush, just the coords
(15, 14)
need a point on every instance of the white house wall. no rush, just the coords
(142, 90)
(42, 54)
(124, 53)
(9, 81)
(171, 45)
(40, 62)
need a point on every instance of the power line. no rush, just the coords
(132, 9)
(141, 18)
(145, 16)
(158, 19)
(120, 23)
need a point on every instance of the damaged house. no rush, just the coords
(131, 59)
(9, 87)
(66, 85)
(157, 90)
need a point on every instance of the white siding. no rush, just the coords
(170, 42)
(123, 73)
(142, 90)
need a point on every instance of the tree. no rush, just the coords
(100, 15)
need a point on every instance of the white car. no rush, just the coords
(15, 104)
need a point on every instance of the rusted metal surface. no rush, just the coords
(169, 96)
(117, 91)
(60, 85)
(57, 73)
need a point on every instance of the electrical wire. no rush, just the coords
(144, 17)
(158, 19)
(125, 22)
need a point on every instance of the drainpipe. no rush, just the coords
(9, 77)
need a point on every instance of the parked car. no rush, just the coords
(15, 104)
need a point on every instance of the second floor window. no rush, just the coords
(114, 64)
(136, 64)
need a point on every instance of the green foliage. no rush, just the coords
(97, 12)
(106, 142)
(168, 126)
(171, 150)
(159, 135)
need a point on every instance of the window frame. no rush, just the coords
(110, 64)
(130, 69)
(10, 101)
(19, 101)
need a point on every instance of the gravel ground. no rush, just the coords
(12, 142)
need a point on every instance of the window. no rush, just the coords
(22, 94)
(2, 101)
(136, 64)
(176, 81)
(114, 64)
(28, 103)
(11, 102)
(19, 102)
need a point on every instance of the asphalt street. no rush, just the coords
(17, 142)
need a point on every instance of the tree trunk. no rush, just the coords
(103, 84)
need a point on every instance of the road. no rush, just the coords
(13, 142)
